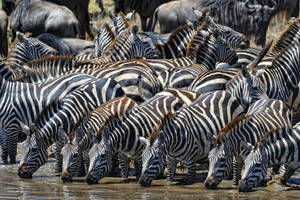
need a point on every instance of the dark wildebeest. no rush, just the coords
(66, 46)
(3, 34)
(40, 17)
(8, 6)
(250, 19)
(79, 8)
(144, 8)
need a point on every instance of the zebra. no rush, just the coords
(90, 125)
(25, 49)
(195, 124)
(125, 138)
(263, 116)
(104, 38)
(127, 46)
(63, 114)
(277, 147)
(24, 101)
(138, 80)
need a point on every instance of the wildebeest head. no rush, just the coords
(8, 6)
(262, 15)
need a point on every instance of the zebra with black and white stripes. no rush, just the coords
(188, 136)
(24, 101)
(278, 147)
(25, 49)
(63, 114)
(263, 116)
(125, 139)
(90, 126)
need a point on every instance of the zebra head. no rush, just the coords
(153, 161)
(100, 159)
(24, 50)
(247, 86)
(34, 152)
(232, 37)
(70, 156)
(255, 166)
(225, 53)
(143, 46)
(220, 163)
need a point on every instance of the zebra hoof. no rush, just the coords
(125, 180)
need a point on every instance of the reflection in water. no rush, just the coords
(45, 185)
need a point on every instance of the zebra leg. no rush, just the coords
(172, 164)
(138, 164)
(285, 172)
(192, 166)
(124, 165)
(237, 168)
(81, 168)
(12, 139)
(4, 152)
(57, 146)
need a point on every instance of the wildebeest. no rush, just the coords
(144, 8)
(79, 8)
(3, 34)
(245, 17)
(8, 6)
(40, 17)
(66, 46)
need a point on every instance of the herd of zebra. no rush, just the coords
(202, 96)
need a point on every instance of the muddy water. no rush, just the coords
(45, 185)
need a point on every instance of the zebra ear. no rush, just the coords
(223, 139)
(134, 29)
(35, 130)
(62, 136)
(247, 146)
(245, 71)
(92, 136)
(144, 141)
(259, 73)
(105, 134)
(21, 37)
(260, 146)
(25, 128)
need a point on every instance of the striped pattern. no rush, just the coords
(263, 116)
(188, 137)
(63, 115)
(90, 126)
(124, 139)
(279, 147)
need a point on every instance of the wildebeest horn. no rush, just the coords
(251, 8)
(271, 9)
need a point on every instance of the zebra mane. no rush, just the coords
(238, 75)
(106, 123)
(274, 133)
(163, 121)
(72, 133)
(195, 44)
(112, 34)
(127, 25)
(287, 50)
(120, 40)
(44, 65)
(204, 16)
(286, 37)
(231, 124)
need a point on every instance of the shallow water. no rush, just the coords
(45, 185)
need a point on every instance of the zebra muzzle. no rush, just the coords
(243, 186)
(23, 172)
(145, 181)
(66, 177)
(91, 178)
(210, 184)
